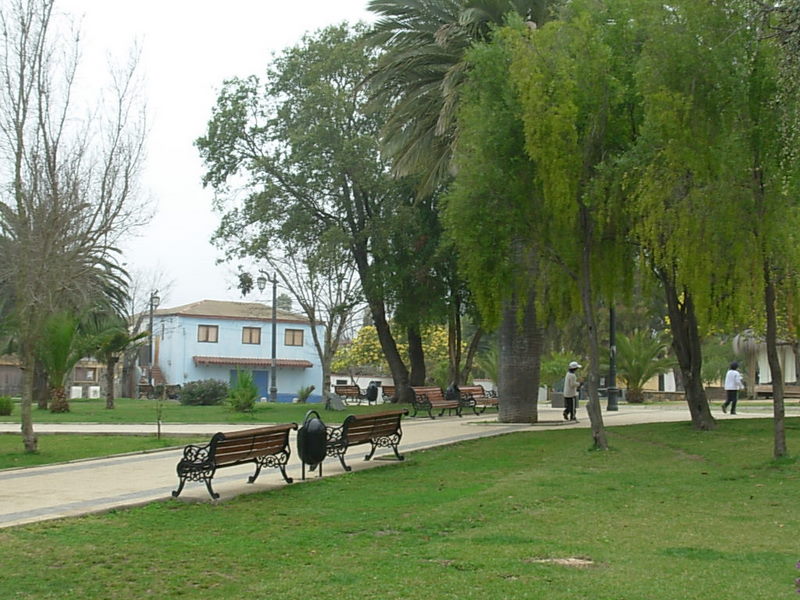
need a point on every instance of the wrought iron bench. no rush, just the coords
(350, 392)
(430, 398)
(381, 430)
(476, 398)
(264, 446)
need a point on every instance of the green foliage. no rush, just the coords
(640, 357)
(244, 393)
(717, 356)
(6, 405)
(488, 361)
(554, 367)
(61, 346)
(304, 392)
(205, 392)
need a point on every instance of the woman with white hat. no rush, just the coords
(571, 391)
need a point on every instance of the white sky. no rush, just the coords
(189, 47)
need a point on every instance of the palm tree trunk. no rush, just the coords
(520, 359)
(58, 400)
(111, 363)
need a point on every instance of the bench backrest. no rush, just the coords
(432, 393)
(347, 390)
(388, 390)
(242, 446)
(361, 428)
(472, 390)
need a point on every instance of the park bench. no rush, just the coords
(263, 446)
(476, 398)
(388, 392)
(350, 392)
(789, 391)
(381, 430)
(430, 398)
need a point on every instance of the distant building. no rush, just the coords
(213, 339)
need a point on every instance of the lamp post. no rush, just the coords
(261, 282)
(154, 301)
(612, 362)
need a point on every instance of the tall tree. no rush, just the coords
(71, 180)
(305, 145)
(420, 74)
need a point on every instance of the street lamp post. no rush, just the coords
(612, 362)
(154, 302)
(261, 282)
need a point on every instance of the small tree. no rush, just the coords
(640, 357)
(60, 347)
(242, 396)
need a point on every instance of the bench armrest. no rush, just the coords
(196, 454)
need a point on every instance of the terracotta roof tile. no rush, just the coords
(250, 362)
(224, 309)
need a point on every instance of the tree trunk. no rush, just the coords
(111, 363)
(416, 357)
(29, 439)
(454, 342)
(520, 359)
(686, 345)
(41, 391)
(469, 360)
(779, 414)
(593, 376)
(58, 400)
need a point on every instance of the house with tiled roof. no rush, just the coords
(214, 339)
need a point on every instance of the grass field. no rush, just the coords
(129, 410)
(668, 513)
(61, 448)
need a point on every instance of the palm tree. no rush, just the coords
(61, 345)
(424, 43)
(640, 357)
(112, 339)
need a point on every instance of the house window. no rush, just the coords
(88, 374)
(251, 335)
(293, 337)
(207, 333)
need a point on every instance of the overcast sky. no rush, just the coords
(189, 47)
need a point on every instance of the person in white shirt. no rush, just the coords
(733, 383)
(571, 391)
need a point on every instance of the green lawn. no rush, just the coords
(61, 448)
(668, 513)
(144, 411)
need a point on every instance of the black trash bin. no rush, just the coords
(312, 438)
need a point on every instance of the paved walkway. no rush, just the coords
(88, 486)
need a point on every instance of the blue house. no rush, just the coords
(213, 339)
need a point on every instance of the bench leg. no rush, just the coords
(255, 475)
(286, 478)
(176, 493)
(341, 460)
(214, 494)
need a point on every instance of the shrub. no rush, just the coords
(205, 392)
(303, 393)
(6, 405)
(242, 396)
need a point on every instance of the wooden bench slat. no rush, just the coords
(378, 429)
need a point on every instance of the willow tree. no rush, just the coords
(573, 77)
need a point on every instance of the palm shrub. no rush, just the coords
(244, 393)
(303, 393)
(640, 357)
(6, 405)
(204, 392)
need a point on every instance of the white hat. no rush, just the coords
(574, 365)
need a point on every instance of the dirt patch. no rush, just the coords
(577, 562)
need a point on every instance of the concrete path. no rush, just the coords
(88, 486)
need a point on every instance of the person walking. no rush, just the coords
(571, 391)
(733, 383)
